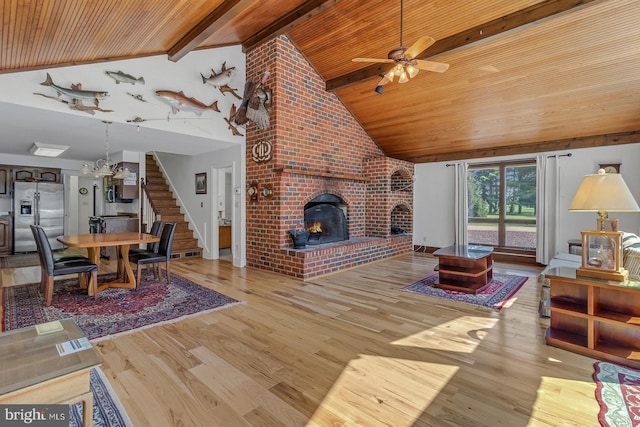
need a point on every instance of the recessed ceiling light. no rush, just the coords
(47, 150)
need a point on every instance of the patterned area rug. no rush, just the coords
(116, 311)
(618, 394)
(107, 409)
(495, 296)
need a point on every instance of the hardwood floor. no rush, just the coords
(347, 349)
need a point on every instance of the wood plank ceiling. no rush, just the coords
(525, 75)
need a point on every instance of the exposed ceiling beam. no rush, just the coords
(298, 16)
(221, 16)
(521, 18)
(632, 137)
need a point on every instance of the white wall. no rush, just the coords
(202, 209)
(433, 214)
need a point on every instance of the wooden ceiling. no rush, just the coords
(525, 75)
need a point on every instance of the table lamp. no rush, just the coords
(601, 249)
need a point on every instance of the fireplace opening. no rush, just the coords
(325, 219)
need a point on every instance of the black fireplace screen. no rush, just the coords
(325, 220)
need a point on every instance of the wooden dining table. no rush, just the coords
(122, 241)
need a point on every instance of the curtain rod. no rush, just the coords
(551, 155)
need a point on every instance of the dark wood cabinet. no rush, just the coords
(5, 181)
(6, 239)
(21, 173)
(593, 317)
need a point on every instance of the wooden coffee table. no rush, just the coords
(464, 268)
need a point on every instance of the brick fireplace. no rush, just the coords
(322, 159)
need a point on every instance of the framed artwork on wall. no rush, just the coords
(201, 183)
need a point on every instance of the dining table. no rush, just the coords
(122, 241)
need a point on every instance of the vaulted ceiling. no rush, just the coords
(524, 76)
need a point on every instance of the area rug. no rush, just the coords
(495, 296)
(107, 409)
(116, 311)
(618, 394)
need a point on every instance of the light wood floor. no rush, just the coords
(346, 349)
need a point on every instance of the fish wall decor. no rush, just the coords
(180, 102)
(76, 104)
(121, 77)
(76, 91)
(221, 80)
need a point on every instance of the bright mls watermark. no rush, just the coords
(34, 415)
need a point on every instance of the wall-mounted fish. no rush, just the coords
(221, 79)
(137, 97)
(75, 91)
(76, 104)
(121, 77)
(180, 102)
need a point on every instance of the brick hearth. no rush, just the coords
(318, 147)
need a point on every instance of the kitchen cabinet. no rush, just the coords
(21, 173)
(6, 239)
(224, 236)
(5, 181)
(593, 317)
(125, 188)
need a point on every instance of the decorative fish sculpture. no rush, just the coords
(75, 91)
(221, 79)
(76, 104)
(121, 77)
(180, 102)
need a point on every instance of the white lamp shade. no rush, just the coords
(603, 192)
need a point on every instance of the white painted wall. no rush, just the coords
(433, 215)
(202, 208)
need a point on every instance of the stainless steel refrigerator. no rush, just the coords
(37, 203)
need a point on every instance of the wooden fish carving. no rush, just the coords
(180, 102)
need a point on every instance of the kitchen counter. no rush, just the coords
(118, 224)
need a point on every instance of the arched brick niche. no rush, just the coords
(401, 219)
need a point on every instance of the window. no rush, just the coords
(502, 204)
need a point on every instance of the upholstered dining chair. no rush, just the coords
(51, 268)
(34, 231)
(156, 229)
(163, 254)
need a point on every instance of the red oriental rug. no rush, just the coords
(116, 311)
(618, 394)
(498, 293)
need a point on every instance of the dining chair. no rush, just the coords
(163, 254)
(34, 231)
(51, 268)
(156, 229)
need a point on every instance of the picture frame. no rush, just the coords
(201, 183)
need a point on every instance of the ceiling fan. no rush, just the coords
(406, 65)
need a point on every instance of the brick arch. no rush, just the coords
(404, 172)
(399, 219)
(401, 203)
(336, 192)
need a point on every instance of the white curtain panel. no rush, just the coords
(547, 203)
(461, 207)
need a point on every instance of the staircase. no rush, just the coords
(160, 196)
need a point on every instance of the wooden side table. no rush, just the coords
(32, 371)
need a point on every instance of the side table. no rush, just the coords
(33, 371)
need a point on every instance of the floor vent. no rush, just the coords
(191, 254)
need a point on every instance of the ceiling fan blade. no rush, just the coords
(438, 67)
(421, 44)
(372, 60)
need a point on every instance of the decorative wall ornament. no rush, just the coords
(201, 183)
(221, 80)
(261, 151)
(180, 102)
(121, 77)
(267, 191)
(232, 113)
(76, 92)
(256, 103)
(252, 191)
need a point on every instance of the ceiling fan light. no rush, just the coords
(403, 78)
(389, 76)
(398, 69)
(413, 71)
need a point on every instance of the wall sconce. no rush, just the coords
(267, 191)
(252, 191)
